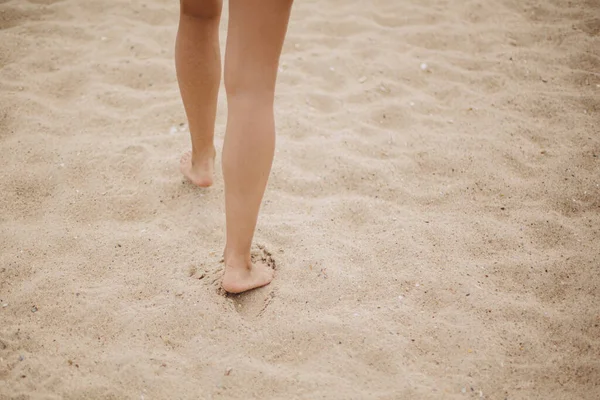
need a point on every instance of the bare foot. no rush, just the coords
(239, 279)
(199, 172)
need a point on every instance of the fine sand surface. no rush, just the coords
(433, 211)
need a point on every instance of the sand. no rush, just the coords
(433, 211)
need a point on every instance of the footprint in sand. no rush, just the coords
(249, 304)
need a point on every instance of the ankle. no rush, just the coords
(204, 153)
(235, 259)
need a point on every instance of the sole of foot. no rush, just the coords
(200, 173)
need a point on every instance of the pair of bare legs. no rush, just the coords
(255, 37)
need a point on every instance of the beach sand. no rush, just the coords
(433, 210)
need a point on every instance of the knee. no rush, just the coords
(202, 9)
(245, 83)
(247, 89)
(234, 82)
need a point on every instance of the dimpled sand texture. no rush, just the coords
(433, 213)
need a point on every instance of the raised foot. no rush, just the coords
(199, 172)
(241, 279)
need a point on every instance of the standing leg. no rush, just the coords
(198, 64)
(256, 33)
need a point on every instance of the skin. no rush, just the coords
(255, 37)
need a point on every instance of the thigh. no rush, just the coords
(255, 37)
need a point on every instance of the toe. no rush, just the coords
(186, 157)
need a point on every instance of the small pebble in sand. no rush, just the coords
(424, 66)
(173, 130)
(463, 390)
(331, 68)
(384, 89)
(5, 305)
(21, 358)
(228, 371)
(362, 79)
(34, 309)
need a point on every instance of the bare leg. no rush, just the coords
(256, 33)
(198, 63)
